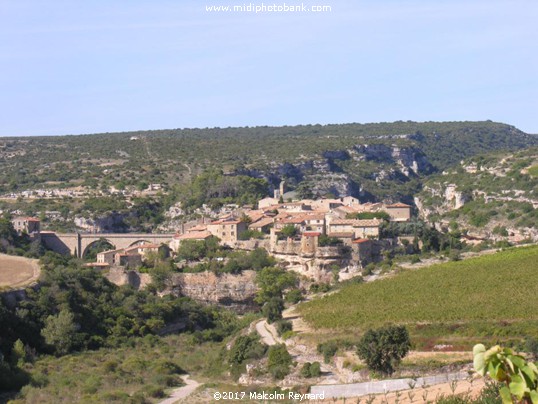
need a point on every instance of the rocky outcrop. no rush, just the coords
(103, 224)
(411, 160)
(454, 198)
(236, 292)
(121, 276)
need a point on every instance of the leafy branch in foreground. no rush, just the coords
(520, 378)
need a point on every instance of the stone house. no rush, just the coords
(399, 212)
(227, 229)
(108, 257)
(128, 260)
(359, 228)
(28, 225)
(263, 225)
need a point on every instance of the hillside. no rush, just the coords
(451, 303)
(491, 196)
(384, 161)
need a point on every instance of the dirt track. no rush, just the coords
(17, 271)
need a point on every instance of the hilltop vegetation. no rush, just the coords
(174, 156)
(498, 191)
(455, 302)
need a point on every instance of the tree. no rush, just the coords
(272, 282)
(272, 309)
(288, 231)
(382, 349)
(279, 361)
(59, 331)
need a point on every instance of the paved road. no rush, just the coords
(267, 337)
(183, 391)
(363, 389)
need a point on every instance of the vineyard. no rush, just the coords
(490, 297)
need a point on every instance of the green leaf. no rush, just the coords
(529, 372)
(479, 363)
(534, 397)
(505, 395)
(510, 364)
(478, 348)
(491, 369)
(518, 387)
(517, 360)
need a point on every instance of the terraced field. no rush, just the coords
(487, 298)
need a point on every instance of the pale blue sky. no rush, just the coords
(69, 67)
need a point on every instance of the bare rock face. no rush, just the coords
(112, 222)
(455, 198)
(121, 276)
(236, 292)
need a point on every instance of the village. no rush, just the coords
(310, 235)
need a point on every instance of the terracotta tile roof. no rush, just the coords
(110, 251)
(358, 222)
(314, 216)
(311, 234)
(226, 220)
(360, 240)
(142, 246)
(261, 223)
(398, 205)
(342, 235)
(198, 227)
(193, 236)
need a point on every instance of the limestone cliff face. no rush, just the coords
(103, 224)
(410, 160)
(236, 292)
(331, 171)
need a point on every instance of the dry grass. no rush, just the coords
(17, 271)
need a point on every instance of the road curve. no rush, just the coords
(183, 391)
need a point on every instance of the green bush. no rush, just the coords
(272, 310)
(283, 326)
(246, 347)
(279, 361)
(382, 349)
(328, 350)
(311, 369)
(294, 296)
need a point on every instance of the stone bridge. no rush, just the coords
(77, 243)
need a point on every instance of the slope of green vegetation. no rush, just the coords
(173, 156)
(487, 297)
(140, 373)
(499, 192)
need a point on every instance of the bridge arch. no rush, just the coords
(140, 242)
(102, 240)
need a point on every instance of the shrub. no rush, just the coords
(328, 350)
(294, 296)
(283, 326)
(279, 361)
(311, 369)
(246, 347)
(383, 348)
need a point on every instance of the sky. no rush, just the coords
(73, 67)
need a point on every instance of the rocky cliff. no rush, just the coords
(236, 292)
(348, 171)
